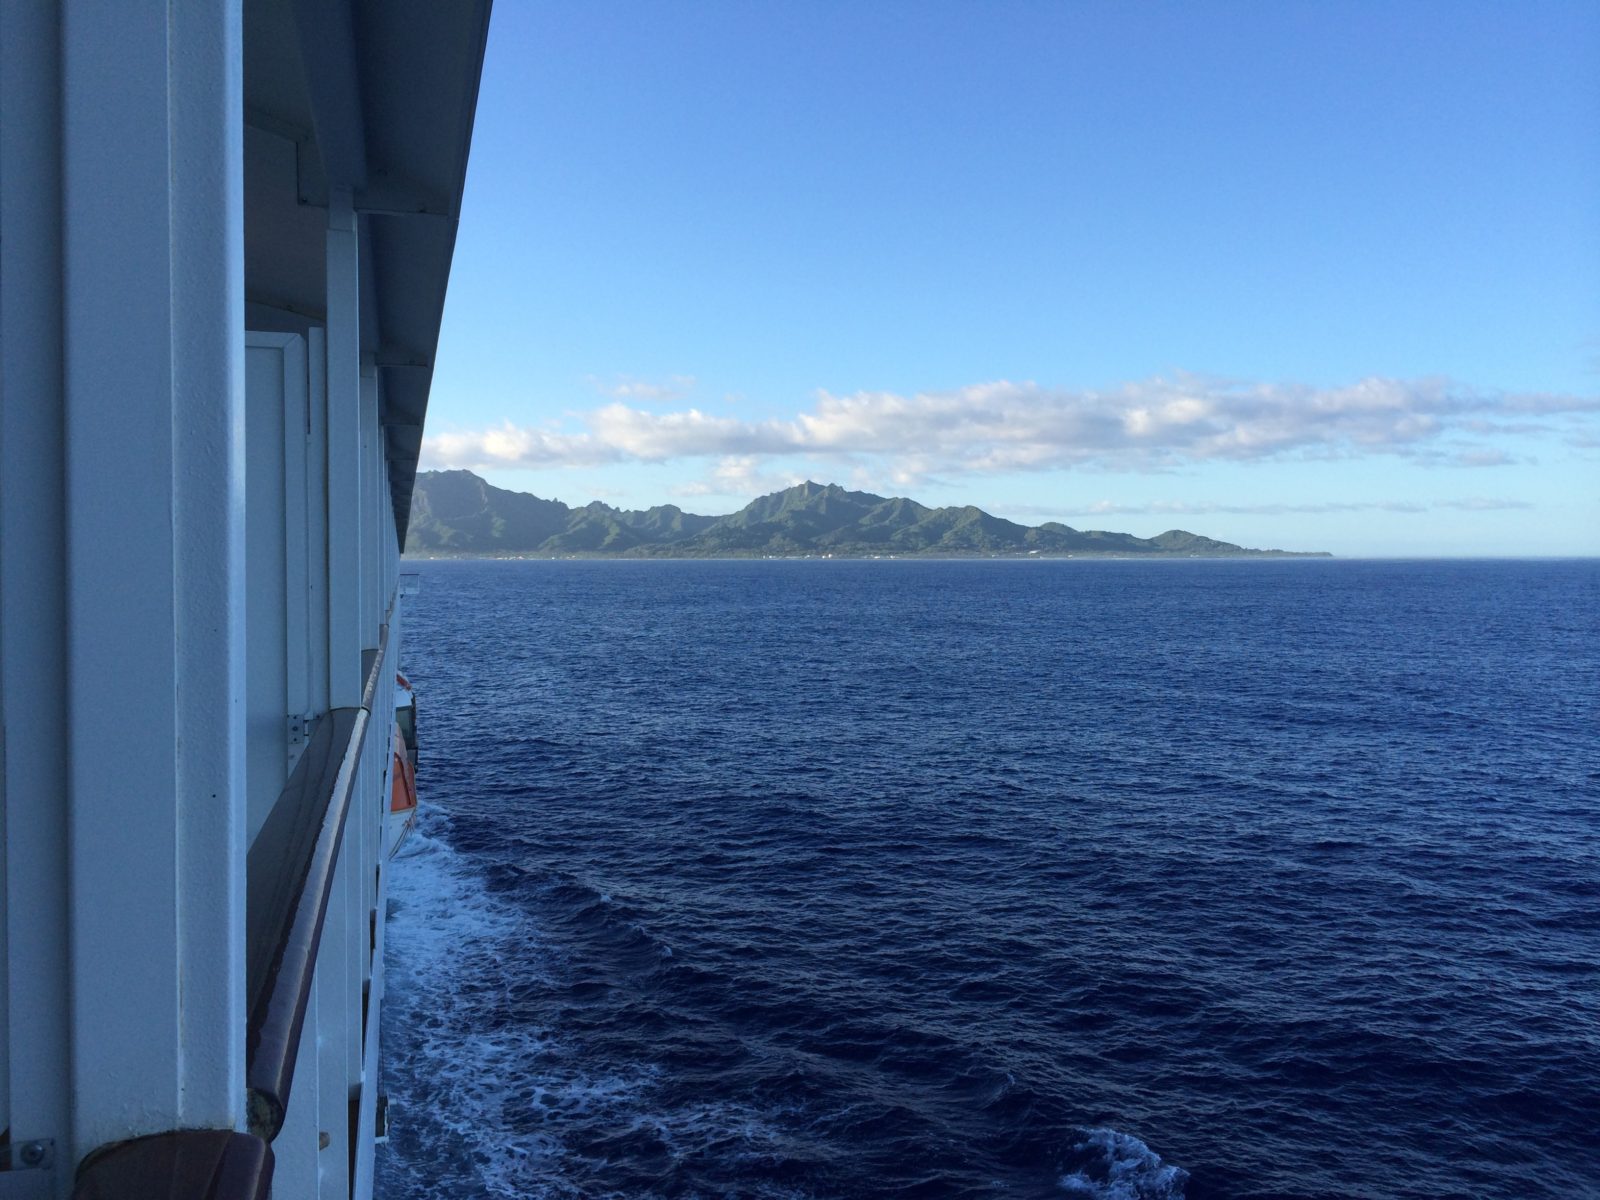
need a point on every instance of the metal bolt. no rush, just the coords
(31, 1154)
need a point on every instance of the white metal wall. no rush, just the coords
(351, 557)
(276, 401)
(133, 530)
(33, 1087)
(121, 637)
(127, 509)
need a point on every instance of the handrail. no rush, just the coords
(369, 689)
(290, 874)
(290, 869)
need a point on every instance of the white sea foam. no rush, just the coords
(452, 1071)
(483, 1095)
(1118, 1166)
(443, 914)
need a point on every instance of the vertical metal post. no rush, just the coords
(391, 542)
(295, 1149)
(296, 561)
(353, 913)
(317, 607)
(371, 602)
(5, 901)
(276, 374)
(345, 641)
(332, 986)
(335, 1004)
(153, 372)
(206, 105)
(118, 335)
(33, 905)
(367, 824)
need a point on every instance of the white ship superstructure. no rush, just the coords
(225, 233)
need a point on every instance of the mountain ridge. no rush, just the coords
(458, 514)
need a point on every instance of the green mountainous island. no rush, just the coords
(457, 514)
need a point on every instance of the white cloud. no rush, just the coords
(658, 437)
(514, 446)
(1002, 427)
(1487, 457)
(626, 387)
(1484, 504)
(1178, 508)
(738, 475)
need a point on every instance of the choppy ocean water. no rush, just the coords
(985, 879)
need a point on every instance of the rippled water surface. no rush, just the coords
(1130, 880)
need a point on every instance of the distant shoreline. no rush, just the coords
(458, 514)
(533, 556)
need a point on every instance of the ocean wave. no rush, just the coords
(492, 1102)
(1108, 1165)
(1138, 858)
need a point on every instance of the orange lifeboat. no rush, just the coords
(403, 770)
(402, 795)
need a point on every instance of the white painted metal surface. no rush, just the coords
(344, 454)
(274, 427)
(33, 711)
(153, 374)
(297, 564)
(296, 1148)
(199, 541)
(317, 606)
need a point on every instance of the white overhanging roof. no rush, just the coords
(374, 98)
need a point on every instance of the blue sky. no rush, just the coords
(1319, 276)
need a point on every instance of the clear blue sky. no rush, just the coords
(1320, 276)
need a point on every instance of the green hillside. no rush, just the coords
(457, 513)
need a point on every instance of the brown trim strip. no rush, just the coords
(196, 1164)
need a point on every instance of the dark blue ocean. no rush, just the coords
(1128, 880)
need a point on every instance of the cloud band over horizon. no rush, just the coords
(1003, 427)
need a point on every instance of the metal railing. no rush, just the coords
(290, 878)
(290, 872)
